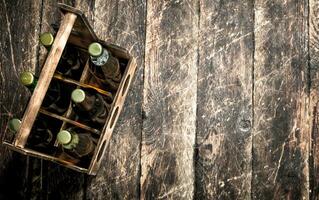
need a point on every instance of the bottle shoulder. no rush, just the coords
(102, 59)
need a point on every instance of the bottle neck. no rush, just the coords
(102, 59)
(32, 86)
(88, 103)
(48, 48)
(74, 141)
(109, 65)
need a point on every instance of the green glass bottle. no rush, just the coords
(40, 135)
(90, 107)
(47, 39)
(14, 125)
(28, 79)
(77, 145)
(103, 60)
(54, 100)
(70, 62)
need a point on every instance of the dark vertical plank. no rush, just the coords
(314, 94)
(18, 52)
(52, 181)
(169, 100)
(280, 134)
(123, 23)
(224, 100)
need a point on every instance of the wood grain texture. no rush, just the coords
(253, 119)
(18, 52)
(43, 83)
(169, 100)
(224, 100)
(52, 181)
(314, 94)
(123, 23)
(280, 134)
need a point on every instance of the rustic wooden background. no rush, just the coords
(224, 104)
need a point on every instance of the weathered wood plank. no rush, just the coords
(56, 181)
(169, 100)
(42, 83)
(18, 52)
(123, 23)
(50, 16)
(280, 134)
(224, 100)
(314, 97)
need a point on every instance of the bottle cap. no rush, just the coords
(78, 95)
(14, 124)
(26, 78)
(64, 137)
(46, 39)
(95, 49)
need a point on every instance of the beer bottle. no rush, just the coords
(77, 145)
(40, 135)
(54, 99)
(69, 64)
(28, 80)
(14, 125)
(47, 39)
(90, 107)
(105, 62)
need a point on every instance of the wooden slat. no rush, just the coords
(314, 97)
(280, 134)
(122, 22)
(224, 100)
(18, 52)
(169, 100)
(43, 83)
(58, 181)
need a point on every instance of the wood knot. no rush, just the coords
(244, 125)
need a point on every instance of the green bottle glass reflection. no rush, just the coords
(47, 39)
(14, 125)
(27, 79)
(75, 144)
(103, 59)
(91, 107)
(40, 136)
(69, 64)
(54, 99)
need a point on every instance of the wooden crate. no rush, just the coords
(75, 30)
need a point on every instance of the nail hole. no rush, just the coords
(127, 81)
(114, 116)
(101, 151)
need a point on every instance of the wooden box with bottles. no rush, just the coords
(71, 113)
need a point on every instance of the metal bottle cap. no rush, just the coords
(46, 39)
(14, 124)
(26, 78)
(95, 49)
(78, 95)
(64, 137)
